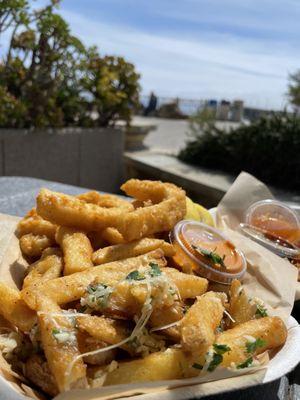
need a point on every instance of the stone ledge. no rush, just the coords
(205, 186)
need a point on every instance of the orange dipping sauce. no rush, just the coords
(274, 225)
(277, 227)
(205, 251)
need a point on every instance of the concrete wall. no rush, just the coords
(83, 157)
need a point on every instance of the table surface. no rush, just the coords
(17, 196)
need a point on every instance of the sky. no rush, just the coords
(198, 49)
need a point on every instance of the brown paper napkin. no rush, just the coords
(273, 273)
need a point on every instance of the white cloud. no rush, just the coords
(221, 67)
(264, 16)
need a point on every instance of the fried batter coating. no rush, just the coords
(72, 287)
(106, 200)
(49, 266)
(200, 322)
(33, 245)
(14, 309)
(70, 211)
(33, 223)
(169, 208)
(77, 249)
(132, 249)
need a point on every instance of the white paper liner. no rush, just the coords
(244, 191)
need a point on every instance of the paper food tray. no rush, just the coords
(282, 363)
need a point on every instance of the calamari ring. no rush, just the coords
(105, 200)
(169, 207)
(33, 223)
(110, 235)
(66, 210)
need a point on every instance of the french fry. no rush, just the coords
(163, 365)
(77, 250)
(33, 223)
(199, 324)
(33, 245)
(132, 249)
(114, 332)
(15, 310)
(175, 364)
(87, 344)
(49, 266)
(60, 352)
(112, 236)
(65, 210)
(127, 299)
(164, 316)
(106, 200)
(73, 287)
(240, 308)
(189, 286)
(104, 329)
(271, 330)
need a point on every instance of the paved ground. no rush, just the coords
(170, 135)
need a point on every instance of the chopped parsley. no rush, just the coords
(82, 309)
(245, 364)
(251, 347)
(155, 270)
(219, 350)
(97, 296)
(197, 366)
(135, 276)
(217, 359)
(261, 311)
(55, 331)
(214, 257)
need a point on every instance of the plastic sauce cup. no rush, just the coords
(275, 226)
(206, 251)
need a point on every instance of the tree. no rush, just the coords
(294, 89)
(50, 79)
(40, 66)
(112, 85)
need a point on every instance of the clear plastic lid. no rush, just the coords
(206, 251)
(273, 225)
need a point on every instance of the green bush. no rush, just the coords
(294, 90)
(49, 78)
(268, 148)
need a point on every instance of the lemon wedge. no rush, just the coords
(196, 212)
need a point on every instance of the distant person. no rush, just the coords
(152, 104)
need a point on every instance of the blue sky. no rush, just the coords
(198, 48)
